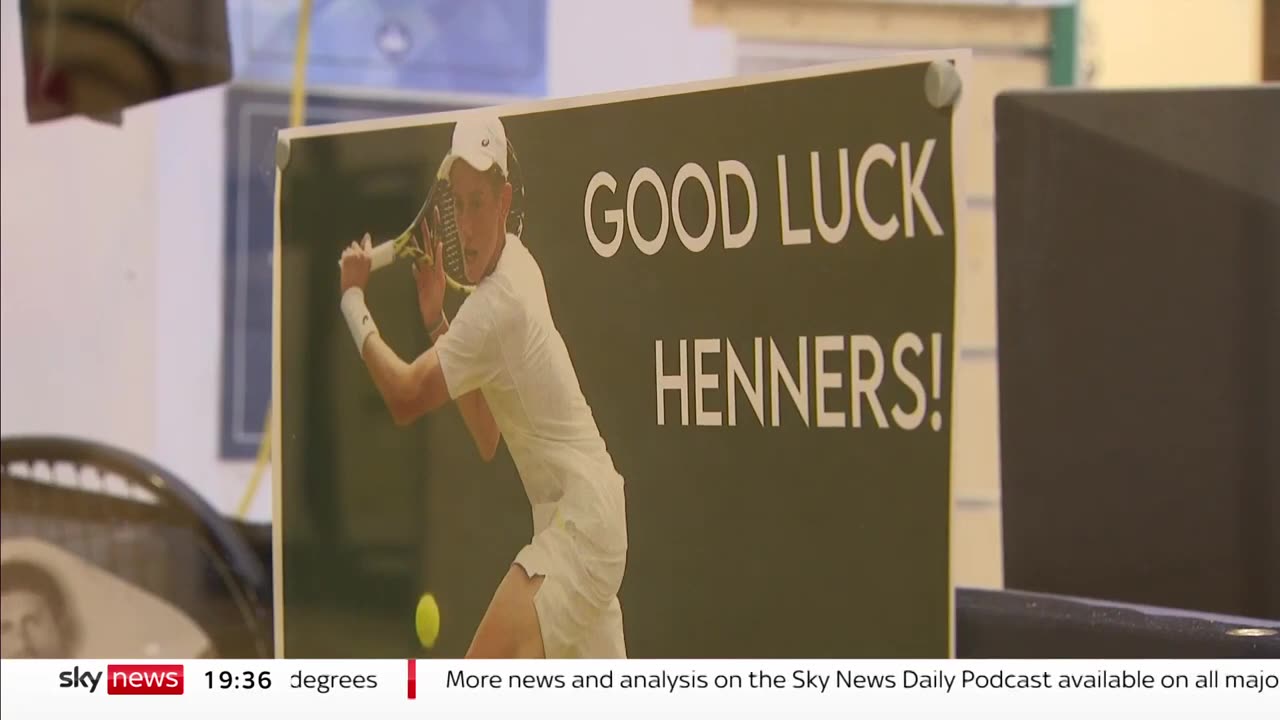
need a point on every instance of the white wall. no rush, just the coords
(111, 280)
(77, 281)
(189, 257)
(1144, 43)
(113, 245)
(606, 45)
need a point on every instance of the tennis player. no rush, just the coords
(35, 614)
(504, 364)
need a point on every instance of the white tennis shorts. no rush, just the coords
(577, 605)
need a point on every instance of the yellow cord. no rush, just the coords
(297, 116)
(259, 467)
(297, 104)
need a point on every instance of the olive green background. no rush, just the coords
(744, 542)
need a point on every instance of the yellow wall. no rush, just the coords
(1128, 43)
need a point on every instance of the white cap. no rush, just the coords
(481, 141)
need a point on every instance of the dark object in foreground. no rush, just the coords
(97, 58)
(1139, 345)
(174, 537)
(134, 520)
(1009, 624)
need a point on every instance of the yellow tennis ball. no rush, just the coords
(427, 620)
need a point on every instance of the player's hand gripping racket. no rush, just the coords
(435, 222)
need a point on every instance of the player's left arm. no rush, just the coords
(409, 389)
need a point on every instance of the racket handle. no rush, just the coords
(383, 255)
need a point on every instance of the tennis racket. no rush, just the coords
(438, 215)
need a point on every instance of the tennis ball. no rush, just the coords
(427, 620)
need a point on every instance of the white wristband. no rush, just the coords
(359, 321)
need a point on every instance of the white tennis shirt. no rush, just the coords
(504, 342)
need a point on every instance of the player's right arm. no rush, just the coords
(410, 390)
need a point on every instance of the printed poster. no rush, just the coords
(663, 373)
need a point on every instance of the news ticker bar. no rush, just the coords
(641, 687)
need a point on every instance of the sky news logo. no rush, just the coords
(126, 679)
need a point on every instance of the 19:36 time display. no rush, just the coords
(247, 680)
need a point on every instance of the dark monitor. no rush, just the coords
(1138, 262)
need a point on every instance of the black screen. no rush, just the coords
(1139, 335)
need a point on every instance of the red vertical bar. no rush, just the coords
(413, 678)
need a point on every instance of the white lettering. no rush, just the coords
(913, 189)
(667, 383)
(789, 236)
(859, 385)
(643, 176)
(603, 249)
(822, 345)
(831, 233)
(734, 168)
(703, 382)
(909, 420)
(695, 243)
(799, 391)
(878, 230)
(754, 388)
(872, 367)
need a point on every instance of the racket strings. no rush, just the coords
(451, 244)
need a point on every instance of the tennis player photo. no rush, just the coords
(56, 604)
(504, 364)
(655, 374)
(36, 620)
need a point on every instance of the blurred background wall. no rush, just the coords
(1171, 43)
(115, 249)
